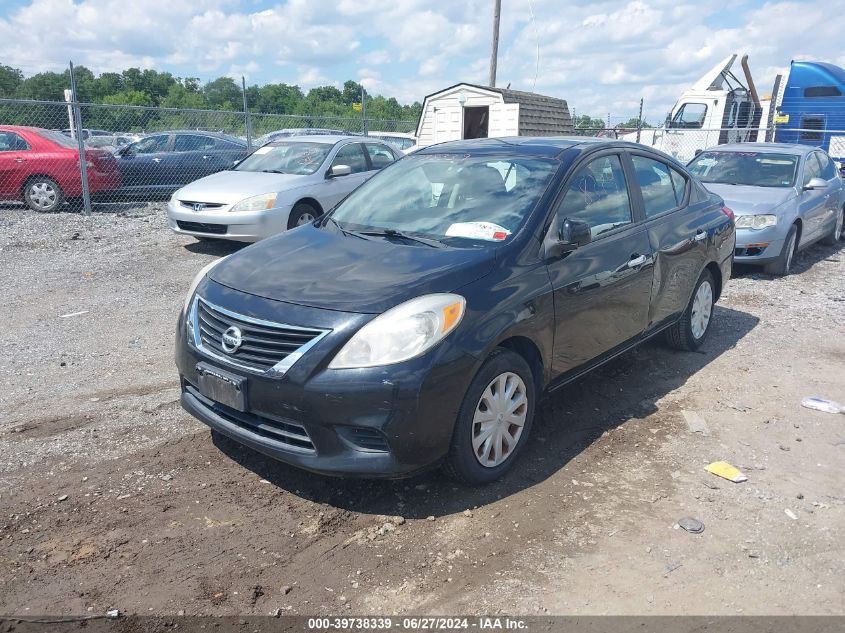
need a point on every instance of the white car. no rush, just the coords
(280, 186)
(399, 140)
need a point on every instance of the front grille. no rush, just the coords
(287, 432)
(203, 227)
(264, 343)
(205, 205)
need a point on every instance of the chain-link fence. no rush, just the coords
(138, 153)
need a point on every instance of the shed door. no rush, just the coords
(504, 119)
(447, 124)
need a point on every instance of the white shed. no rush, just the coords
(470, 111)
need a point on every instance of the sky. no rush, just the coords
(602, 56)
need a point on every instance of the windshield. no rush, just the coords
(449, 196)
(299, 158)
(758, 169)
(59, 139)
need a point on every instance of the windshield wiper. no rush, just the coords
(403, 236)
(343, 230)
(272, 171)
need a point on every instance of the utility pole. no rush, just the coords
(364, 111)
(494, 54)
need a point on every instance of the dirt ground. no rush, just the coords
(112, 497)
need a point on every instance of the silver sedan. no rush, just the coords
(785, 198)
(279, 186)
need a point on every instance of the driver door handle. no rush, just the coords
(156, 160)
(636, 260)
(700, 235)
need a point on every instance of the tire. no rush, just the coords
(691, 330)
(503, 371)
(835, 235)
(783, 264)
(302, 213)
(43, 194)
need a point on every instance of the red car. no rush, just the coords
(41, 167)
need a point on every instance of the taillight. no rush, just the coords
(729, 213)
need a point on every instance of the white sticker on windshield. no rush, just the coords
(478, 231)
(707, 162)
(264, 150)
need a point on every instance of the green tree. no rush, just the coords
(10, 81)
(223, 94)
(48, 86)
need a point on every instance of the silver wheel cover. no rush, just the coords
(499, 419)
(702, 308)
(43, 195)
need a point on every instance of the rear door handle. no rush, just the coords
(20, 160)
(700, 235)
(636, 260)
(206, 157)
(156, 160)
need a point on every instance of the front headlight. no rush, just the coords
(403, 332)
(196, 282)
(756, 221)
(256, 203)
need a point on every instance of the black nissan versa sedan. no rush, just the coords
(419, 322)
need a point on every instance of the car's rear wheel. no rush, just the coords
(836, 234)
(302, 213)
(43, 194)
(691, 330)
(783, 264)
(494, 420)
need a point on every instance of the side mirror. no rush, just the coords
(236, 161)
(575, 233)
(572, 234)
(815, 183)
(339, 170)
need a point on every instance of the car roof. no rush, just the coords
(551, 146)
(329, 139)
(765, 148)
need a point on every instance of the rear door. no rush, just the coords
(679, 233)
(196, 157)
(15, 154)
(379, 156)
(830, 174)
(601, 290)
(147, 165)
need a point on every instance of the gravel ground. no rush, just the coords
(112, 497)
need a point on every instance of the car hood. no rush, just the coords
(229, 187)
(748, 200)
(325, 269)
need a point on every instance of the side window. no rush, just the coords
(690, 116)
(352, 155)
(828, 171)
(380, 156)
(149, 145)
(812, 169)
(680, 186)
(656, 184)
(811, 128)
(597, 194)
(11, 142)
(192, 143)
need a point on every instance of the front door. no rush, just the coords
(602, 290)
(146, 165)
(14, 154)
(812, 203)
(338, 187)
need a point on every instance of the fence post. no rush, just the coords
(80, 143)
(247, 120)
(364, 111)
(640, 120)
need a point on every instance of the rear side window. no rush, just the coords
(192, 143)
(380, 155)
(11, 142)
(657, 185)
(598, 195)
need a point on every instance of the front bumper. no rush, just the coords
(759, 246)
(228, 225)
(375, 422)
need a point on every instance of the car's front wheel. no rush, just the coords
(783, 264)
(43, 194)
(494, 419)
(691, 330)
(302, 213)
